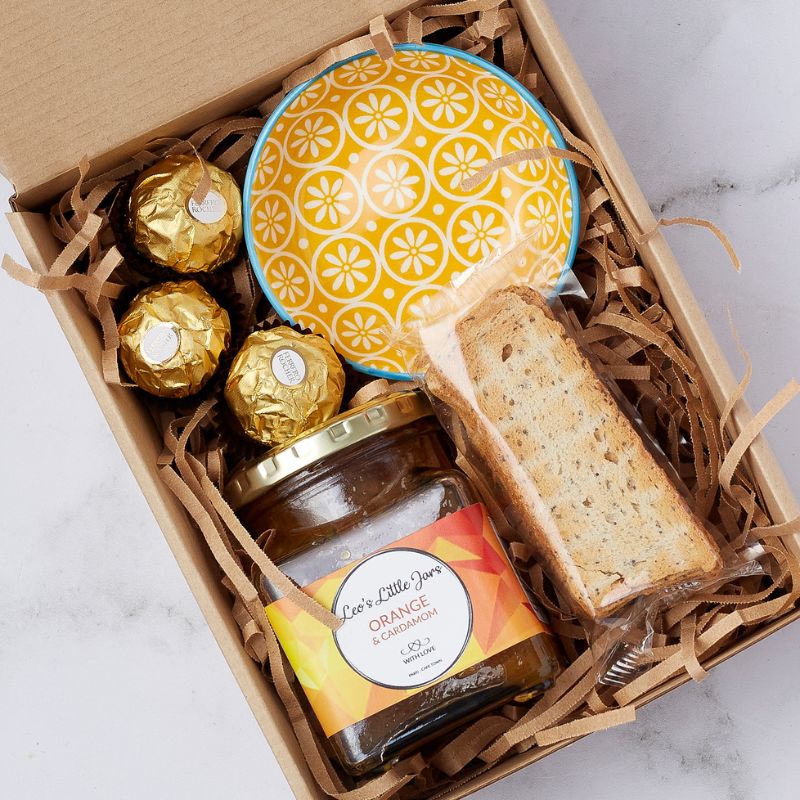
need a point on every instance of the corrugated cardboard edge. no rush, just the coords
(141, 446)
(230, 102)
(120, 407)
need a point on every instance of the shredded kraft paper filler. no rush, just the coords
(623, 324)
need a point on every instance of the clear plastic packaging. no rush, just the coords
(578, 482)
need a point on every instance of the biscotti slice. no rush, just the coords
(602, 516)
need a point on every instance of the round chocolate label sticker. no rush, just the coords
(407, 618)
(288, 367)
(160, 343)
(211, 210)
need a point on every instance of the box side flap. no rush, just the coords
(87, 77)
(141, 445)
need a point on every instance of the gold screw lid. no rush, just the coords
(357, 425)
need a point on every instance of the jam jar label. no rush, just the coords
(408, 618)
(427, 607)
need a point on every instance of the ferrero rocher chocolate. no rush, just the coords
(283, 382)
(172, 337)
(170, 228)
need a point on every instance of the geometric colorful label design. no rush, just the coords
(415, 612)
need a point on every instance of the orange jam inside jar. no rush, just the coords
(373, 519)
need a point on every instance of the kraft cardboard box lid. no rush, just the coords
(144, 68)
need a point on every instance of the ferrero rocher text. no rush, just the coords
(172, 337)
(283, 382)
(170, 228)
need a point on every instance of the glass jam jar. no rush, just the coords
(372, 518)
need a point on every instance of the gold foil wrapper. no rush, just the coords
(172, 337)
(169, 228)
(283, 382)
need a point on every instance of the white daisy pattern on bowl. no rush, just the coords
(461, 162)
(501, 96)
(418, 305)
(267, 167)
(533, 168)
(359, 71)
(446, 99)
(377, 216)
(329, 201)
(288, 280)
(378, 115)
(311, 135)
(521, 140)
(307, 98)
(347, 268)
(481, 233)
(395, 184)
(420, 60)
(271, 221)
(359, 332)
(413, 250)
(542, 220)
(420, 309)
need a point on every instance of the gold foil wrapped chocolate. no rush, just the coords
(170, 228)
(283, 382)
(172, 337)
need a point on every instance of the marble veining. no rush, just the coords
(110, 683)
(703, 193)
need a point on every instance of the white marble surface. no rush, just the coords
(110, 684)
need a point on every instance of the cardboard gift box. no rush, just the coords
(145, 80)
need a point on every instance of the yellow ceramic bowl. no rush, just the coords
(354, 210)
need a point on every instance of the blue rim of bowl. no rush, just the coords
(436, 48)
